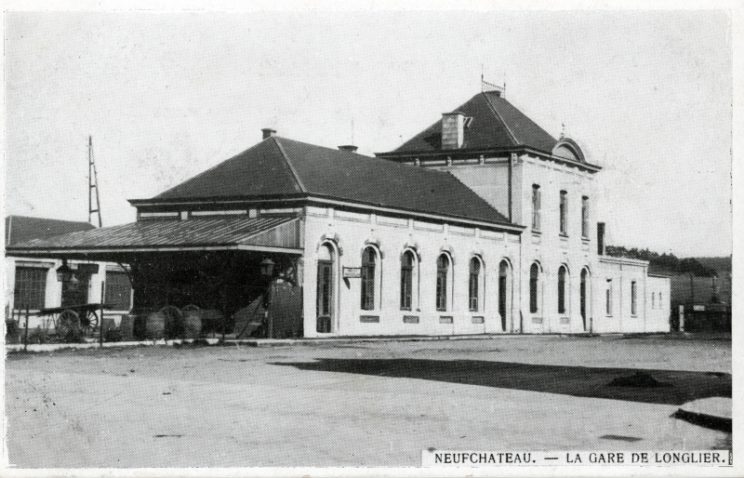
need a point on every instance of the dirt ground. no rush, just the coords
(359, 404)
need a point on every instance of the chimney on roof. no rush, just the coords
(348, 147)
(453, 130)
(601, 238)
(268, 132)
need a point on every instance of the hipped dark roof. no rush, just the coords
(495, 123)
(20, 229)
(278, 167)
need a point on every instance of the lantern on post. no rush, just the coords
(64, 273)
(267, 267)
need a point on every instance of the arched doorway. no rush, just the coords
(325, 290)
(504, 294)
(584, 297)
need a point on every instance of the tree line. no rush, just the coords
(666, 262)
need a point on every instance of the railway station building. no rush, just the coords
(482, 223)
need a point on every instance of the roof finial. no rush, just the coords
(492, 87)
(563, 130)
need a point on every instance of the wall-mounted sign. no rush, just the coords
(352, 272)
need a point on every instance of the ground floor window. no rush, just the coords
(534, 284)
(30, 288)
(633, 298)
(608, 297)
(474, 284)
(406, 281)
(369, 259)
(443, 266)
(324, 291)
(562, 290)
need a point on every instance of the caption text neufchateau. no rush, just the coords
(620, 457)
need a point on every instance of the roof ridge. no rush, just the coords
(386, 162)
(289, 164)
(501, 118)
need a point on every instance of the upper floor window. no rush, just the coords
(584, 216)
(474, 284)
(562, 272)
(633, 298)
(535, 207)
(534, 288)
(30, 288)
(369, 259)
(406, 280)
(443, 269)
(563, 211)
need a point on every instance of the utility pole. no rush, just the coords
(93, 184)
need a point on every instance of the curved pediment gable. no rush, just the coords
(567, 148)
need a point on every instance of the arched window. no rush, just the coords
(325, 289)
(474, 284)
(504, 293)
(583, 296)
(562, 273)
(443, 269)
(406, 280)
(369, 259)
(534, 284)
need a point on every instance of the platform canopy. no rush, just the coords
(279, 234)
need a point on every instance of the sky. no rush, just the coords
(647, 94)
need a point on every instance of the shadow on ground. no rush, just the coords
(665, 387)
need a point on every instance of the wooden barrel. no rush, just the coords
(192, 324)
(127, 327)
(155, 326)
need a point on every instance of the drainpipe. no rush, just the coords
(512, 158)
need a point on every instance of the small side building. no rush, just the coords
(31, 282)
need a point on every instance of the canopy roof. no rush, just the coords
(270, 234)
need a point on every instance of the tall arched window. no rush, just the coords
(443, 267)
(562, 274)
(504, 292)
(406, 280)
(369, 259)
(584, 296)
(325, 289)
(534, 285)
(474, 284)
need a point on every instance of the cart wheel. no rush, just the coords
(68, 321)
(90, 323)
